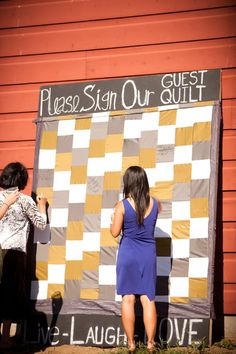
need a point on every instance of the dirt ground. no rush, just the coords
(70, 349)
(91, 350)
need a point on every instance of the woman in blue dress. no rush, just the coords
(135, 216)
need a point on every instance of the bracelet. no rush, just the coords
(6, 204)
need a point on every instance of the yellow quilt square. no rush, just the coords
(63, 161)
(46, 192)
(97, 148)
(180, 300)
(74, 230)
(129, 161)
(91, 260)
(55, 289)
(180, 229)
(182, 173)
(41, 271)
(78, 175)
(74, 270)
(107, 240)
(49, 140)
(198, 288)
(184, 136)
(117, 113)
(202, 131)
(199, 207)
(56, 254)
(90, 294)
(112, 180)
(167, 117)
(204, 103)
(114, 143)
(150, 109)
(162, 190)
(83, 124)
(93, 204)
(147, 158)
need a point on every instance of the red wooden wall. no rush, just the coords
(59, 41)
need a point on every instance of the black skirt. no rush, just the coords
(13, 285)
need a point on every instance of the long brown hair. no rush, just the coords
(136, 186)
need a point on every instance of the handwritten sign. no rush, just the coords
(107, 331)
(129, 93)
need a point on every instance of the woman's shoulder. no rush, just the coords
(153, 199)
(157, 202)
(120, 204)
(119, 207)
(26, 199)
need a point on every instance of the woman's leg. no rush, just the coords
(128, 318)
(6, 327)
(149, 319)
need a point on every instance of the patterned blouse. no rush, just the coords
(15, 224)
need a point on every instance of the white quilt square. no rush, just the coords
(185, 117)
(166, 135)
(56, 273)
(163, 266)
(199, 227)
(151, 175)
(113, 161)
(179, 287)
(39, 290)
(74, 250)
(47, 159)
(164, 171)
(106, 217)
(91, 241)
(107, 274)
(81, 138)
(132, 128)
(180, 248)
(100, 117)
(66, 127)
(163, 228)
(181, 210)
(201, 169)
(96, 166)
(198, 267)
(202, 114)
(183, 154)
(77, 193)
(150, 121)
(61, 181)
(118, 298)
(59, 217)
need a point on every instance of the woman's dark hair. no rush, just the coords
(136, 186)
(14, 175)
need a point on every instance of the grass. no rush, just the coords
(199, 347)
(225, 343)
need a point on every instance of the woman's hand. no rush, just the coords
(12, 197)
(41, 201)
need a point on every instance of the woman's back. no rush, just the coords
(132, 229)
(136, 262)
(14, 226)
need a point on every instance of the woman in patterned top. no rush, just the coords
(14, 232)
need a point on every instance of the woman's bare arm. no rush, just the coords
(117, 219)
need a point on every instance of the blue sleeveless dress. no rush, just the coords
(136, 260)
